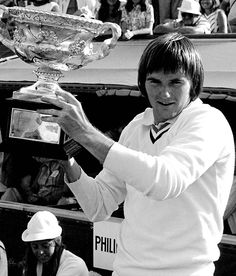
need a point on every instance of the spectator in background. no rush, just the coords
(3, 260)
(191, 21)
(15, 168)
(48, 187)
(89, 7)
(46, 254)
(164, 10)
(137, 19)
(109, 11)
(84, 12)
(216, 16)
(229, 6)
(34, 180)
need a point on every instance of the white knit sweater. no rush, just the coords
(175, 193)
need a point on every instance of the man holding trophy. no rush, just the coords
(172, 167)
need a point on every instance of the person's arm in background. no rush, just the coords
(222, 22)
(123, 20)
(168, 27)
(192, 30)
(201, 27)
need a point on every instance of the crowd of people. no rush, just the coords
(147, 17)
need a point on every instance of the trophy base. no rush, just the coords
(23, 131)
(34, 92)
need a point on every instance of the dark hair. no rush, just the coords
(170, 53)
(40, 2)
(130, 5)
(49, 269)
(103, 11)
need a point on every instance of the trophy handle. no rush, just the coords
(106, 45)
(5, 37)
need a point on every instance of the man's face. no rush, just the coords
(189, 19)
(168, 94)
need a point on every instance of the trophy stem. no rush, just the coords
(46, 85)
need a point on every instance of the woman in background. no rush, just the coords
(46, 254)
(137, 18)
(216, 16)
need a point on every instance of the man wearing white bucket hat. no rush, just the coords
(46, 254)
(190, 20)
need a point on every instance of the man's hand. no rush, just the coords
(70, 115)
(72, 119)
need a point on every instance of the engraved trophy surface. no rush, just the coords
(52, 42)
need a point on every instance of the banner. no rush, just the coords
(105, 235)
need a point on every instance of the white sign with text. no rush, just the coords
(105, 235)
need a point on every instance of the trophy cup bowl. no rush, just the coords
(51, 42)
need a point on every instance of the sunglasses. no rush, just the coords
(186, 14)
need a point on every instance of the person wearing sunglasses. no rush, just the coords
(190, 21)
(46, 254)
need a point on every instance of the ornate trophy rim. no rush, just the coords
(68, 21)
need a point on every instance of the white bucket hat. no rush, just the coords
(190, 6)
(42, 226)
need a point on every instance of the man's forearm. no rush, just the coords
(96, 143)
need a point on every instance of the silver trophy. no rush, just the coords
(53, 42)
